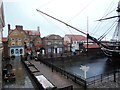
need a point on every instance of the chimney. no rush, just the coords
(19, 27)
(38, 28)
(8, 28)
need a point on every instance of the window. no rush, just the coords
(16, 51)
(12, 39)
(56, 37)
(55, 42)
(49, 43)
(21, 51)
(49, 50)
(27, 44)
(60, 50)
(37, 41)
(60, 43)
(12, 51)
(19, 39)
(76, 42)
(12, 43)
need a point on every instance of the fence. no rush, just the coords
(110, 76)
(66, 88)
(85, 82)
(77, 79)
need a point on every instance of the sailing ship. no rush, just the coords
(112, 50)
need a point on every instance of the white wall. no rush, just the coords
(67, 39)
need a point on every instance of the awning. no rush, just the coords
(38, 45)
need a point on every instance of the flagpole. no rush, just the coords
(87, 34)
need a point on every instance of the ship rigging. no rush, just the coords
(112, 51)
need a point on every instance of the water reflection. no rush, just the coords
(22, 79)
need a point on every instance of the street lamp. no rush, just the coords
(85, 69)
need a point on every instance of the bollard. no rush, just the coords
(52, 69)
(114, 76)
(85, 85)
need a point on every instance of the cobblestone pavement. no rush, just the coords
(54, 77)
(107, 84)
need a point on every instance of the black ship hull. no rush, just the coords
(113, 55)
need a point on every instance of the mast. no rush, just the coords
(88, 36)
(62, 22)
(116, 35)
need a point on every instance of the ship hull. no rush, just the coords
(113, 55)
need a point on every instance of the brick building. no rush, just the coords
(53, 44)
(21, 41)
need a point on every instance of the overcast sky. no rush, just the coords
(75, 12)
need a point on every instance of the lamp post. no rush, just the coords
(85, 69)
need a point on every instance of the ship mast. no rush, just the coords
(62, 22)
(116, 35)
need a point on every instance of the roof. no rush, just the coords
(94, 45)
(76, 37)
(29, 32)
(32, 32)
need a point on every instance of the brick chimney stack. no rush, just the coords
(38, 28)
(8, 28)
(19, 27)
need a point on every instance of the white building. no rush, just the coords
(74, 42)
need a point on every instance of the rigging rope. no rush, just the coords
(53, 23)
(46, 3)
(62, 22)
(108, 9)
(80, 11)
(107, 12)
(101, 37)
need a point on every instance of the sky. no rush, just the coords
(82, 14)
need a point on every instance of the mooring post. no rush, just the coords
(52, 69)
(114, 76)
(85, 85)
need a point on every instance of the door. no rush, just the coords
(17, 52)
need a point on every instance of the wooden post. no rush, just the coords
(85, 85)
(114, 76)
(52, 69)
(101, 77)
